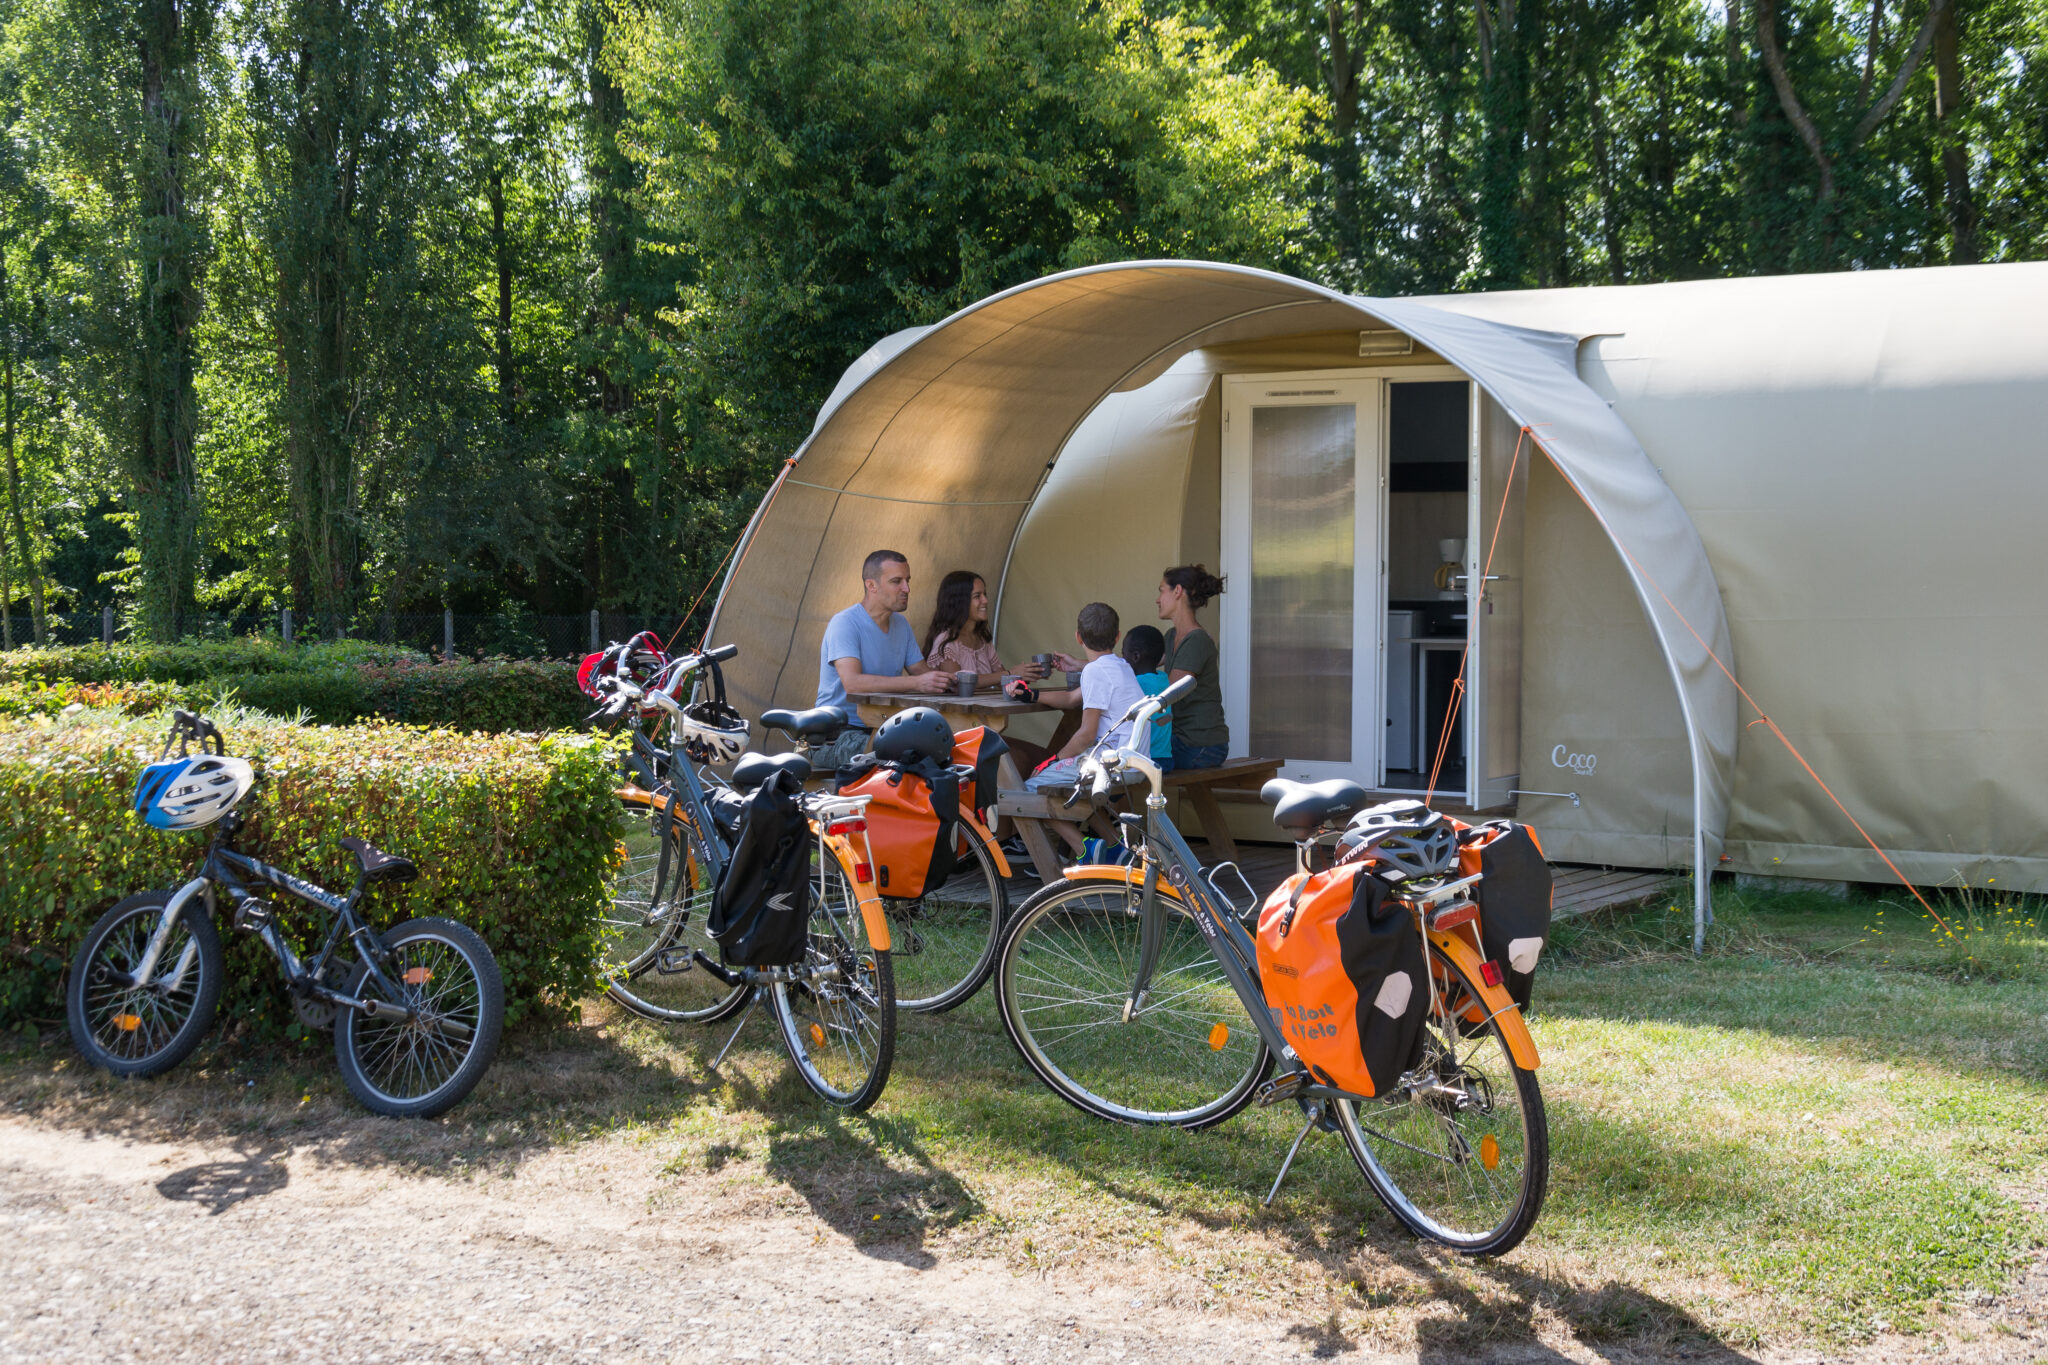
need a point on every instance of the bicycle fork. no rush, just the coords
(162, 935)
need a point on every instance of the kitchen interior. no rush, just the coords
(1429, 429)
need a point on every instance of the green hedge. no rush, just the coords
(334, 684)
(513, 835)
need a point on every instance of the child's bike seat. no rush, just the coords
(379, 866)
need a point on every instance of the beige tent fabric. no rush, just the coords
(939, 449)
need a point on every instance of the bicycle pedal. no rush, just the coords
(1280, 1089)
(674, 961)
(252, 916)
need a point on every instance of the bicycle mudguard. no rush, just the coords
(1499, 1003)
(871, 912)
(1127, 874)
(988, 841)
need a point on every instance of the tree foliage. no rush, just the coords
(378, 305)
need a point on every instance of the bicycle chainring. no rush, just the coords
(314, 1012)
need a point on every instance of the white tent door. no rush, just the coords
(1500, 477)
(1302, 476)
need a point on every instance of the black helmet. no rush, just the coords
(913, 736)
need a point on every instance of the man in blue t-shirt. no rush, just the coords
(869, 647)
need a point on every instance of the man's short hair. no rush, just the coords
(1098, 625)
(871, 567)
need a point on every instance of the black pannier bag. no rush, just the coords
(1514, 907)
(761, 911)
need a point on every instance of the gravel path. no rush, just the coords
(121, 1250)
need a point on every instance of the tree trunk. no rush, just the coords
(38, 617)
(161, 476)
(1504, 106)
(501, 249)
(1345, 62)
(1603, 169)
(1955, 158)
(611, 210)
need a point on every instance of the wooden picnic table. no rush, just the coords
(1031, 809)
(990, 709)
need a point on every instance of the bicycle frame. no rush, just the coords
(1165, 850)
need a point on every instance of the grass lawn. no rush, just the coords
(1818, 1133)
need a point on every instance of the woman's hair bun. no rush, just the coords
(1199, 584)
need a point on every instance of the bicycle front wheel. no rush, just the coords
(445, 979)
(838, 1016)
(943, 947)
(653, 924)
(1184, 1052)
(144, 1028)
(1464, 1158)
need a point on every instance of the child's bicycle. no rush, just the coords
(416, 1015)
(1134, 993)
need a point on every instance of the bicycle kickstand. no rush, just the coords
(1314, 1110)
(753, 999)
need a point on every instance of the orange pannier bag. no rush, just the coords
(913, 823)
(1345, 975)
(1514, 899)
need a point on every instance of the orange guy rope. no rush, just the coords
(1443, 742)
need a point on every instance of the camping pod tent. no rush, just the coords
(1826, 487)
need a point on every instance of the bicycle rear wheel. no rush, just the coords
(943, 947)
(650, 930)
(445, 976)
(1187, 1055)
(838, 1020)
(1464, 1163)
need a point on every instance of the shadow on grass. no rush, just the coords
(871, 1181)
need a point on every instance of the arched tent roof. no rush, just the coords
(936, 442)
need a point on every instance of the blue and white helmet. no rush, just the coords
(191, 793)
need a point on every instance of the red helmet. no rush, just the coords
(640, 660)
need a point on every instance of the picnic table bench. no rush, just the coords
(1198, 784)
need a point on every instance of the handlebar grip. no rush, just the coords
(720, 654)
(1175, 691)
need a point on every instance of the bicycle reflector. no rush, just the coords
(854, 826)
(863, 873)
(1489, 972)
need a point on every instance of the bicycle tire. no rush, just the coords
(1418, 1154)
(841, 1033)
(642, 922)
(1190, 1057)
(144, 1031)
(942, 947)
(419, 1068)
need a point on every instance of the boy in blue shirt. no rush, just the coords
(1144, 651)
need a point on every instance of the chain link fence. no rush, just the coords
(511, 635)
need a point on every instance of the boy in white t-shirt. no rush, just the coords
(1108, 689)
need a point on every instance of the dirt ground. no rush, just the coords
(120, 1248)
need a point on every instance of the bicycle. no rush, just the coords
(835, 1009)
(416, 1017)
(946, 939)
(1133, 993)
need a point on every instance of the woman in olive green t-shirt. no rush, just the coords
(1201, 738)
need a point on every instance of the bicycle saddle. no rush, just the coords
(750, 772)
(379, 866)
(1302, 807)
(820, 723)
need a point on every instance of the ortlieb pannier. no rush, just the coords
(1345, 976)
(761, 908)
(913, 822)
(1514, 899)
(978, 751)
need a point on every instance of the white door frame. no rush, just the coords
(1241, 392)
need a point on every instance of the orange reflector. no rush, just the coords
(1489, 1151)
(863, 873)
(1489, 972)
(1218, 1036)
(128, 1023)
(818, 1039)
(418, 976)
